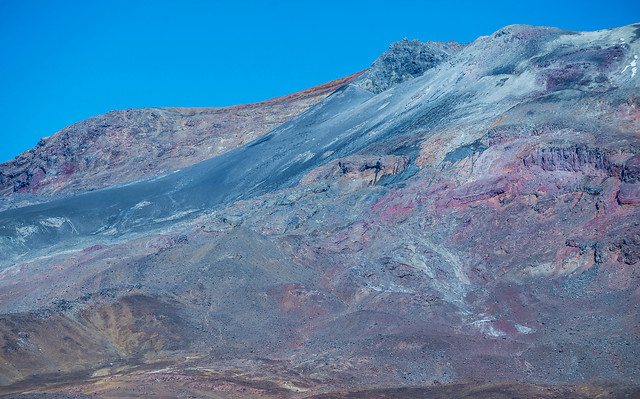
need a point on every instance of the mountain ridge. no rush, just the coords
(473, 222)
(98, 152)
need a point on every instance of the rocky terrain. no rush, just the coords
(122, 146)
(459, 220)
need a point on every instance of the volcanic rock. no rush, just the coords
(122, 146)
(465, 224)
(403, 61)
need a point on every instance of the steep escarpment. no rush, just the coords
(476, 221)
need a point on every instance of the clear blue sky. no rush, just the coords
(64, 61)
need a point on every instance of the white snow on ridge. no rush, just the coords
(56, 222)
(633, 65)
(141, 204)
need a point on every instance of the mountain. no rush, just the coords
(123, 146)
(455, 220)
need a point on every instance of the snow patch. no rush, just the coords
(486, 327)
(383, 105)
(633, 65)
(305, 156)
(174, 216)
(106, 230)
(327, 154)
(53, 222)
(524, 329)
(111, 232)
(26, 231)
(390, 288)
(141, 204)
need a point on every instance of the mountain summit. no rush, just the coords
(455, 220)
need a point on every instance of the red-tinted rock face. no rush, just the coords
(123, 146)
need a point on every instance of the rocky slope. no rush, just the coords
(122, 146)
(403, 61)
(473, 221)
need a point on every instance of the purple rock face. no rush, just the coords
(457, 214)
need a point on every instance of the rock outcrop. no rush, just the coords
(403, 61)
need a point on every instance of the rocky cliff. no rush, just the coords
(465, 224)
(405, 60)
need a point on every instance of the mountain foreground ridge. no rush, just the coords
(123, 146)
(455, 221)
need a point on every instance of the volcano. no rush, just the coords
(458, 220)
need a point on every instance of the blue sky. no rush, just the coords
(64, 61)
